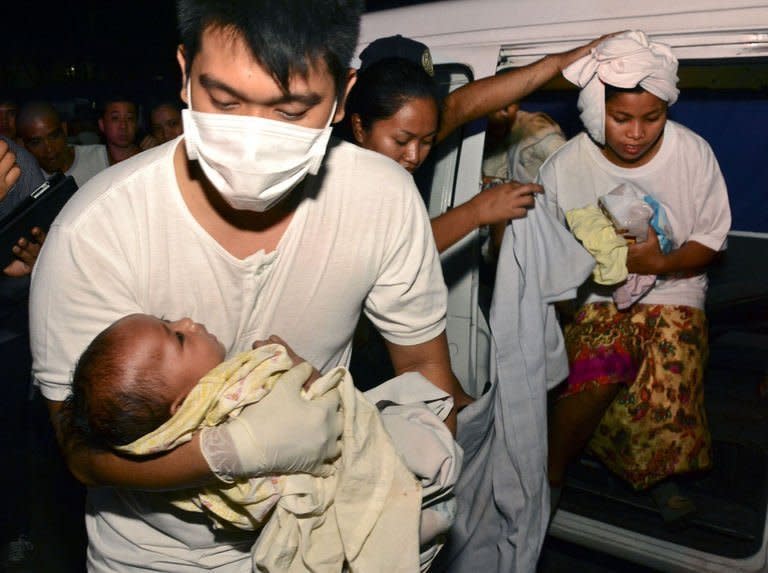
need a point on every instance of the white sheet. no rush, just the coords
(502, 491)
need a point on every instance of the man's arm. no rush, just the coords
(431, 360)
(479, 98)
(182, 467)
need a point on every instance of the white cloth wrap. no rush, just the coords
(626, 60)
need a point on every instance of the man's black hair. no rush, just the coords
(114, 98)
(285, 36)
(34, 109)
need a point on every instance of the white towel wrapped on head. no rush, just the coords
(626, 60)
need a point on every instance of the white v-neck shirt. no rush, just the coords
(359, 240)
(127, 243)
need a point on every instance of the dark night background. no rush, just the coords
(86, 49)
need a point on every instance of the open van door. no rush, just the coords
(723, 53)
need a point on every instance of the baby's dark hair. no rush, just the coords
(112, 403)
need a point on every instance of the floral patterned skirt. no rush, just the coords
(656, 426)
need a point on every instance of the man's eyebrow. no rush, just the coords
(308, 99)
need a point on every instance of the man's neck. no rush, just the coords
(69, 158)
(240, 232)
(117, 154)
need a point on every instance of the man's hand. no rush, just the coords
(9, 170)
(282, 433)
(26, 252)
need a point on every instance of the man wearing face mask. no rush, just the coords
(254, 224)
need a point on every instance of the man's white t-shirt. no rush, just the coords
(683, 176)
(126, 242)
(89, 160)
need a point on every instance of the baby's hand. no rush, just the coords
(295, 358)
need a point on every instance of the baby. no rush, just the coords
(144, 385)
(136, 374)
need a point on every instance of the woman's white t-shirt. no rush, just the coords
(683, 176)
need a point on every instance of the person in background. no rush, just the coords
(19, 177)
(45, 136)
(118, 124)
(394, 109)
(8, 110)
(517, 142)
(165, 122)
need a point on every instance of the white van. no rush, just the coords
(722, 46)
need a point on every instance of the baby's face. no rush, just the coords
(180, 352)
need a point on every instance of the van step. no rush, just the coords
(730, 500)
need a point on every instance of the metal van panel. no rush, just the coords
(649, 551)
(480, 22)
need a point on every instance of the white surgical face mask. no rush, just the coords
(252, 161)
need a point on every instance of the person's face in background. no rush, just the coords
(8, 119)
(407, 136)
(118, 123)
(165, 123)
(500, 122)
(634, 125)
(45, 137)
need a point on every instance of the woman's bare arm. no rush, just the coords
(479, 98)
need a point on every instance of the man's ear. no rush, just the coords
(350, 81)
(181, 58)
(101, 125)
(64, 128)
(357, 128)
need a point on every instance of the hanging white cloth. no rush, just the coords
(502, 492)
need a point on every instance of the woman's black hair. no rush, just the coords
(611, 91)
(383, 88)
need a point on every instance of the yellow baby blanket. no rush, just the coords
(598, 235)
